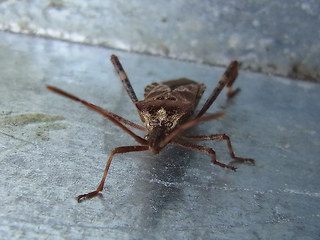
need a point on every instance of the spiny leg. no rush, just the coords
(231, 93)
(228, 79)
(124, 78)
(203, 149)
(118, 150)
(220, 137)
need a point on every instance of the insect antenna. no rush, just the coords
(111, 116)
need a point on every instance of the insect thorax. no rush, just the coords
(167, 105)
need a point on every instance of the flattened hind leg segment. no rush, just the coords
(124, 78)
(228, 79)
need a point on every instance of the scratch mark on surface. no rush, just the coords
(311, 194)
(15, 138)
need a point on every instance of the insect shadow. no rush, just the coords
(163, 184)
(166, 111)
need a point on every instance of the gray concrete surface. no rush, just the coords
(53, 149)
(277, 37)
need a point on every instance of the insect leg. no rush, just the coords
(111, 116)
(124, 78)
(228, 79)
(220, 137)
(231, 93)
(117, 150)
(203, 149)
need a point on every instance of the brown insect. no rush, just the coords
(166, 112)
